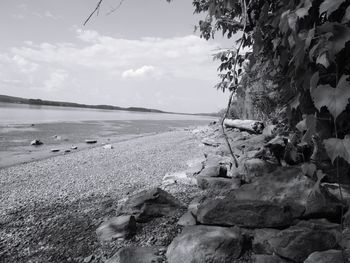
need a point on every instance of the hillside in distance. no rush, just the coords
(19, 100)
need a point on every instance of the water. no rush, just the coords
(11, 113)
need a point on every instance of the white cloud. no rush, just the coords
(102, 69)
(56, 80)
(140, 72)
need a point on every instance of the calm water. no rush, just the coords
(25, 114)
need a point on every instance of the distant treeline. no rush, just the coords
(10, 99)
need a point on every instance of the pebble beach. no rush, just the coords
(47, 205)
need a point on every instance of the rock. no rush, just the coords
(260, 242)
(36, 142)
(117, 227)
(214, 171)
(74, 147)
(57, 137)
(244, 213)
(149, 204)
(255, 167)
(267, 259)
(195, 203)
(210, 142)
(298, 242)
(107, 147)
(137, 255)
(289, 186)
(345, 240)
(217, 183)
(91, 141)
(67, 151)
(187, 219)
(88, 259)
(55, 150)
(179, 177)
(329, 256)
(205, 244)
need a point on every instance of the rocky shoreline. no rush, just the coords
(212, 211)
(259, 212)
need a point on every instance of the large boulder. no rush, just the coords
(205, 244)
(298, 242)
(289, 186)
(217, 170)
(217, 183)
(244, 213)
(138, 255)
(260, 242)
(329, 256)
(149, 204)
(183, 177)
(260, 258)
(117, 227)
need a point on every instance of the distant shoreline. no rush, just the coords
(19, 100)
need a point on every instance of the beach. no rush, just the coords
(50, 207)
(68, 137)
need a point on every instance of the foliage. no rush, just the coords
(302, 46)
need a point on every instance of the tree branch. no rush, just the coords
(97, 8)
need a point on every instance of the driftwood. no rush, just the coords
(246, 125)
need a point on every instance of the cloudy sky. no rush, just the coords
(144, 54)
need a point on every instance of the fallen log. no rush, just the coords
(246, 125)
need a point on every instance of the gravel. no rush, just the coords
(50, 209)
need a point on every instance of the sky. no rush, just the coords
(144, 54)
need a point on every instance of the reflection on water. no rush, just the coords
(21, 113)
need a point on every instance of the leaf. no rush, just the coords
(303, 11)
(314, 81)
(308, 124)
(329, 6)
(308, 169)
(309, 38)
(335, 99)
(338, 148)
(346, 17)
(323, 60)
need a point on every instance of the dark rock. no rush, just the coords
(55, 150)
(260, 242)
(267, 259)
(210, 142)
(187, 219)
(36, 142)
(329, 256)
(290, 186)
(298, 242)
(91, 141)
(205, 244)
(117, 227)
(214, 171)
(137, 255)
(217, 183)
(244, 213)
(149, 204)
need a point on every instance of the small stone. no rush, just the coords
(74, 147)
(187, 219)
(36, 142)
(55, 150)
(88, 259)
(91, 141)
(108, 147)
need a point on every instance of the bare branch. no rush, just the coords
(115, 8)
(96, 10)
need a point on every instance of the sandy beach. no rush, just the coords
(50, 208)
